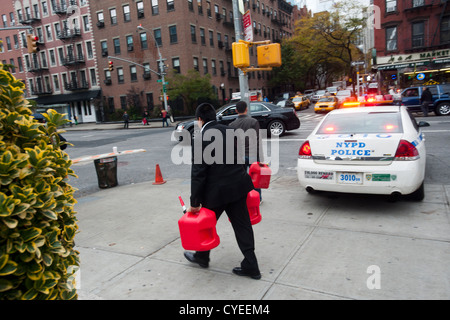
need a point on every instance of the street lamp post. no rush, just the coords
(161, 66)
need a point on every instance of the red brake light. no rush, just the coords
(406, 151)
(305, 151)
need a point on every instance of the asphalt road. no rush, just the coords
(140, 167)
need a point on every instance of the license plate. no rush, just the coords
(350, 178)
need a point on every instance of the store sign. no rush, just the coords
(420, 76)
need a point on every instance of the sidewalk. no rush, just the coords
(117, 125)
(308, 247)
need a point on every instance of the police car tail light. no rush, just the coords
(406, 151)
(305, 151)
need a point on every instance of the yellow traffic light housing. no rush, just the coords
(241, 56)
(111, 65)
(269, 55)
(32, 43)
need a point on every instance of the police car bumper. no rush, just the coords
(402, 177)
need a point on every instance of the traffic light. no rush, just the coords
(32, 43)
(241, 56)
(269, 55)
(111, 65)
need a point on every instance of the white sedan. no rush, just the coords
(372, 150)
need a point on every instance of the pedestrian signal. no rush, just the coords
(241, 56)
(111, 65)
(269, 55)
(32, 43)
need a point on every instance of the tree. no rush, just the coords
(190, 88)
(37, 217)
(324, 45)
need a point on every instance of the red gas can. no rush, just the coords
(198, 230)
(253, 206)
(260, 174)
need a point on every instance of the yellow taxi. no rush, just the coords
(300, 102)
(325, 104)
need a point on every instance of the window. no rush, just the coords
(116, 45)
(113, 15)
(211, 38)
(391, 5)
(202, 36)
(213, 67)
(120, 77)
(193, 35)
(195, 61)
(173, 34)
(208, 9)
(48, 33)
(90, 51)
(147, 74)
(418, 3)
(56, 83)
(205, 66)
(100, 17)
(86, 23)
(123, 102)
(140, 9)
(391, 39)
(200, 6)
(93, 77)
(5, 21)
(126, 13)
(133, 73)
(155, 9)
(158, 39)
(445, 30)
(149, 98)
(176, 64)
(52, 57)
(418, 33)
(170, 5)
(130, 46)
(190, 5)
(104, 46)
(144, 44)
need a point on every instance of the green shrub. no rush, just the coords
(37, 217)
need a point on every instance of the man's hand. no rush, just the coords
(194, 209)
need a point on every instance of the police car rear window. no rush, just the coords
(373, 122)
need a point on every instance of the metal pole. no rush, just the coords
(243, 78)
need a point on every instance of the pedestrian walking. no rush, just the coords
(164, 115)
(126, 120)
(221, 186)
(425, 100)
(253, 140)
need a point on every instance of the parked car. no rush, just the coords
(275, 119)
(286, 103)
(317, 95)
(309, 93)
(441, 99)
(300, 102)
(372, 150)
(333, 90)
(326, 104)
(341, 95)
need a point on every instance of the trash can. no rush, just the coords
(106, 172)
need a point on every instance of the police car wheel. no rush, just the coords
(419, 194)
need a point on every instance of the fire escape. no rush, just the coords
(74, 57)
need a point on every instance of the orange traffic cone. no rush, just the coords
(158, 176)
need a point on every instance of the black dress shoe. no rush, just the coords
(241, 272)
(191, 257)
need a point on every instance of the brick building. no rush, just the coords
(191, 34)
(62, 75)
(413, 43)
(70, 71)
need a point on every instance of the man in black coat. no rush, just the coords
(425, 100)
(220, 183)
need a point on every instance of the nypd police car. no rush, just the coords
(372, 150)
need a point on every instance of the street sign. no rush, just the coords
(159, 80)
(248, 29)
(358, 63)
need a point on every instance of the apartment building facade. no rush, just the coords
(70, 71)
(62, 75)
(190, 34)
(413, 42)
